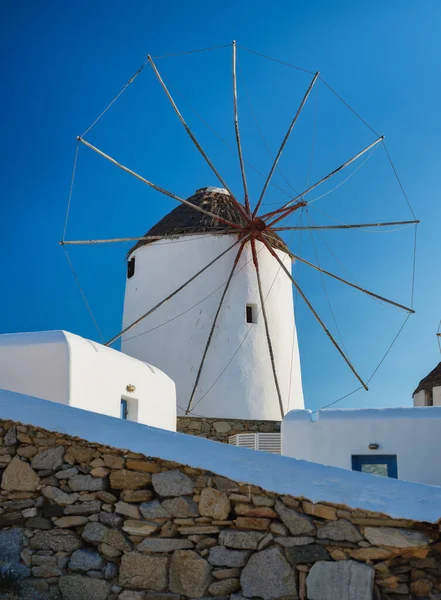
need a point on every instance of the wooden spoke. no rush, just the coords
(344, 226)
(176, 291)
(213, 326)
(285, 208)
(353, 285)
(267, 331)
(314, 312)
(236, 128)
(194, 140)
(285, 139)
(145, 238)
(156, 187)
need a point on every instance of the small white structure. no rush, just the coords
(428, 392)
(68, 369)
(237, 380)
(266, 442)
(395, 442)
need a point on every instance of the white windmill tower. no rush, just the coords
(263, 379)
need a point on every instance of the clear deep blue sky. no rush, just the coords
(63, 62)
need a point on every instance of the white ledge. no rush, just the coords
(398, 499)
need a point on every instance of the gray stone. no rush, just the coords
(19, 477)
(222, 427)
(51, 459)
(143, 571)
(131, 595)
(223, 557)
(215, 504)
(181, 507)
(297, 523)
(46, 571)
(243, 540)
(395, 538)
(172, 483)
(58, 496)
(58, 540)
(85, 560)
(10, 438)
(66, 473)
(79, 483)
(289, 542)
(225, 587)
(79, 587)
(110, 571)
(38, 523)
(189, 574)
(97, 533)
(306, 554)
(164, 545)
(129, 510)
(224, 484)
(85, 508)
(339, 531)
(153, 510)
(11, 544)
(342, 580)
(268, 575)
(110, 519)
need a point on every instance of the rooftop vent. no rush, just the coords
(267, 442)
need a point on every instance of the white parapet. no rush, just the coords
(66, 368)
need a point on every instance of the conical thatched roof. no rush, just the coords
(183, 219)
(433, 379)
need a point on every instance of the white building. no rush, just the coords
(68, 369)
(402, 443)
(428, 392)
(237, 379)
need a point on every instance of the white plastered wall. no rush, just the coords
(237, 380)
(419, 399)
(66, 368)
(412, 434)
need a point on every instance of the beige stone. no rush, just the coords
(320, 510)
(252, 523)
(143, 571)
(248, 510)
(27, 451)
(66, 522)
(144, 466)
(100, 472)
(19, 476)
(371, 553)
(129, 480)
(140, 528)
(113, 462)
(214, 503)
(421, 587)
(79, 454)
(189, 574)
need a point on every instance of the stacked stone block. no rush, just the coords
(221, 429)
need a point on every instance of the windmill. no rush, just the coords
(237, 249)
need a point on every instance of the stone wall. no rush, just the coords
(80, 521)
(221, 429)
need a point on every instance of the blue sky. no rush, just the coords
(63, 62)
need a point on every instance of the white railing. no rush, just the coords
(267, 442)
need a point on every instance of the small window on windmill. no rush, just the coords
(130, 267)
(251, 313)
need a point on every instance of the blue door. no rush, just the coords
(124, 409)
(384, 465)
